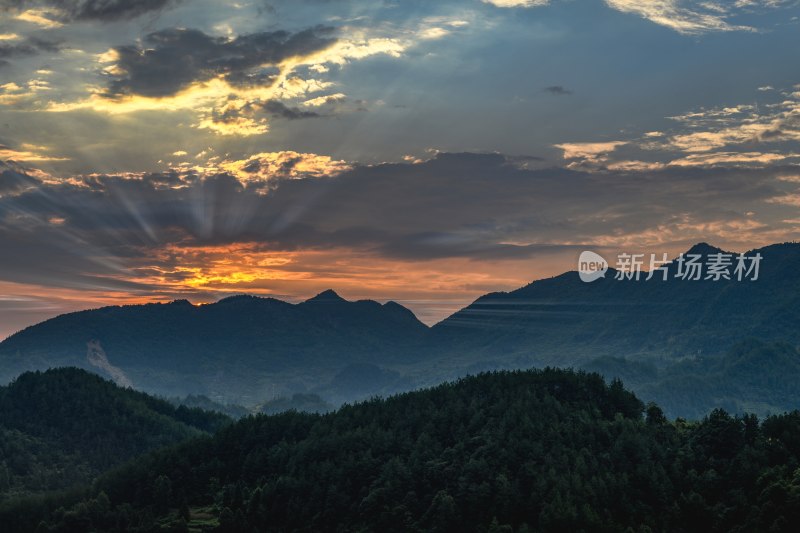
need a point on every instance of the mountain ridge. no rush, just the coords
(248, 349)
(166, 348)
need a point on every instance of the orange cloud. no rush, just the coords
(28, 154)
(285, 164)
(432, 289)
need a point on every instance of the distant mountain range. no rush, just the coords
(563, 319)
(252, 350)
(241, 348)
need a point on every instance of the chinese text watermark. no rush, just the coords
(687, 267)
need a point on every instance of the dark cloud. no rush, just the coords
(281, 110)
(477, 206)
(13, 179)
(263, 78)
(102, 10)
(558, 90)
(44, 45)
(14, 50)
(31, 46)
(172, 59)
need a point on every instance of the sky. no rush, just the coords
(417, 151)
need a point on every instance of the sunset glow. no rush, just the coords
(420, 152)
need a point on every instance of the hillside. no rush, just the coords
(562, 319)
(60, 428)
(671, 341)
(241, 349)
(752, 376)
(547, 450)
(658, 335)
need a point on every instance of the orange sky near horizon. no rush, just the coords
(422, 152)
(432, 289)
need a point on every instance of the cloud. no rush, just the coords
(233, 120)
(172, 60)
(270, 166)
(744, 135)
(280, 110)
(694, 17)
(736, 158)
(746, 124)
(689, 17)
(13, 179)
(297, 191)
(99, 10)
(454, 205)
(517, 3)
(233, 85)
(325, 99)
(454, 224)
(589, 151)
(14, 50)
(791, 199)
(557, 90)
(43, 18)
(27, 154)
(361, 45)
(29, 47)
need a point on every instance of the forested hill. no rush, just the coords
(549, 450)
(751, 377)
(244, 349)
(563, 320)
(62, 427)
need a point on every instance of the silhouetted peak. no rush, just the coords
(250, 302)
(703, 248)
(328, 296)
(784, 247)
(237, 299)
(400, 309)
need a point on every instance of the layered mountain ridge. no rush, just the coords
(178, 348)
(250, 350)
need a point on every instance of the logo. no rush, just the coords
(591, 266)
(717, 266)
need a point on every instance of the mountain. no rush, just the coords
(308, 403)
(207, 404)
(60, 428)
(563, 320)
(258, 351)
(671, 341)
(241, 349)
(548, 450)
(751, 377)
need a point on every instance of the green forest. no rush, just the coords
(537, 450)
(61, 428)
